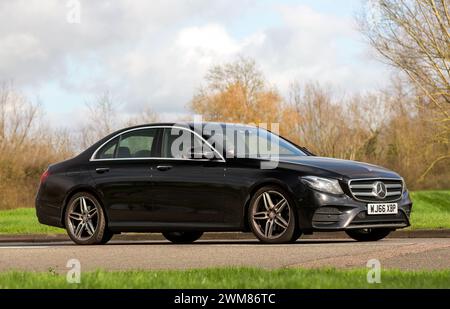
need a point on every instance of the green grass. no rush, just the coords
(23, 221)
(220, 278)
(431, 210)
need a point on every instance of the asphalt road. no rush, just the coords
(413, 254)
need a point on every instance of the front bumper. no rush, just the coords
(335, 213)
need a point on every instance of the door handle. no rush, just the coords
(102, 170)
(163, 168)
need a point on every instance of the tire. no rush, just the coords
(85, 220)
(297, 234)
(368, 234)
(268, 224)
(107, 236)
(182, 237)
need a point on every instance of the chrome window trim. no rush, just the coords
(93, 159)
(379, 179)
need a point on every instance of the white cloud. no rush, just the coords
(308, 47)
(208, 41)
(157, 52)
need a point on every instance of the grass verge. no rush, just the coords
(24, 221)
(431, 210)
(233, 278)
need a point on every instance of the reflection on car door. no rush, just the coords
(186, 190)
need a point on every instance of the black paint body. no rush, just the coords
(207, 195)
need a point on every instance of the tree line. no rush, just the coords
(404, 127)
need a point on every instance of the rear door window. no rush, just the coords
(136, 144)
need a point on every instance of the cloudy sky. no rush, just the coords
(156, 52)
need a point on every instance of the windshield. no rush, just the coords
(251, 142)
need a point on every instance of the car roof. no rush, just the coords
(190, 124)
(186, 124)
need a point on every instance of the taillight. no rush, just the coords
(44, 176)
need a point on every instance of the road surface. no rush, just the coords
(413, 254)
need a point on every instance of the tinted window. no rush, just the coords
(137, 144)
(245, 141)
(261, 143)
(108, 151)
(177, 143)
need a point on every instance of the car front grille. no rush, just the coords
(363, 189)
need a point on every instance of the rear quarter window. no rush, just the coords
(108, 151)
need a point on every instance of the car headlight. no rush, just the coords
(323, 184)
(404, 186)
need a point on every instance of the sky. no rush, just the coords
(155, 53)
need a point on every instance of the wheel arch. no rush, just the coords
(255, 188)
(77, 190)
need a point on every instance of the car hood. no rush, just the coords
(345, 168)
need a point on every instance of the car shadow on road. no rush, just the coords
(231, 242)
(206, 242)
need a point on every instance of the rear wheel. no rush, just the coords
(271, 216)
(85, 220)
(368, 234)
(182, 237)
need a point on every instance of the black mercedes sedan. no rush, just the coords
(186, 179)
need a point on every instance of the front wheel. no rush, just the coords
(182, 237)
(271, 216)
(368, 234)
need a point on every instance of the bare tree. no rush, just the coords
(414, 36)
(147, 115)
(18, 118)
(101, 119)
(329, 126)
(27, 146)
(243, 72)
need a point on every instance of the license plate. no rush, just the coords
(382, 209)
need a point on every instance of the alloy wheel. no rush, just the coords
(271, 216)
(83, 218)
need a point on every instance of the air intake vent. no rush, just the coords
(376, 190)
